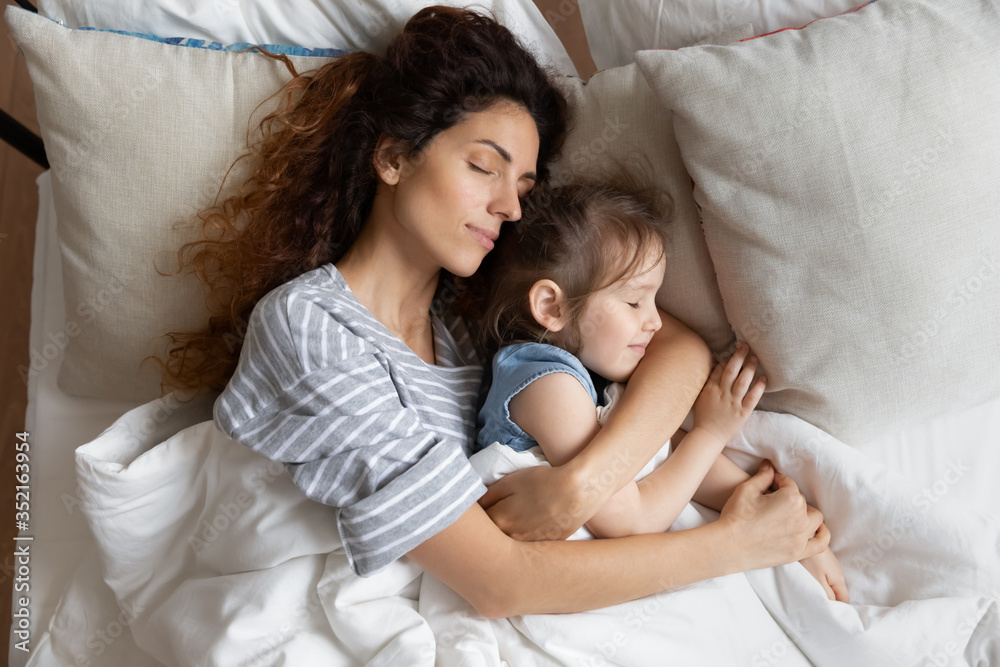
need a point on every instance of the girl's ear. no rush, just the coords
(388, 160)
(548, 305)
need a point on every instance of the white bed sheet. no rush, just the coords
(57, 423)
(957, 454)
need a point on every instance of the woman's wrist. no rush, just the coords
(731, 544)
(590, 484)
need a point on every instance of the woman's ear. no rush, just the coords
(548, 305)
(388, 160)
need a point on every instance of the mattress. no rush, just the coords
(956, 455)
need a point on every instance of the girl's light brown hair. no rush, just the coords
(583, 237)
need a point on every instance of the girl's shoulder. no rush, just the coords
(520, 353)
(520, 364)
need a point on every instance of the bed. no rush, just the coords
(832, 191)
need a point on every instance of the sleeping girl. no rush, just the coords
(572, 310)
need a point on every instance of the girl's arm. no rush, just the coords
(720, 482)
(722, 407)
(559, 414)
(556, 410)
(551, 503)
(503, 577)
(654, 503)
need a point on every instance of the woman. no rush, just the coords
(378, 181)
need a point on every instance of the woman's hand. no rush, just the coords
(773, 528)
(826, 569)
(537, 503)
(727, 400)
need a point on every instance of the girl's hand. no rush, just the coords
(826, 569)
(726, 400)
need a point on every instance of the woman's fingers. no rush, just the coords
(785, 482)
(818, 543)
(495, 493)
(761, 481)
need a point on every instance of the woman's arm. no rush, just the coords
(552, 503)
(503, 577)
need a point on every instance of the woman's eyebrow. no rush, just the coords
(505, 155)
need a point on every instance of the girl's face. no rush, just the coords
(619, 321)
(450, 200)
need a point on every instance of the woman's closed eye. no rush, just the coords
(634, 305)
(476, 167)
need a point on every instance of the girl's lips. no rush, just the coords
(641, 349)
(483, 236)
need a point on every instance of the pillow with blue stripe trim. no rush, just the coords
(219, 46)
(140, 132)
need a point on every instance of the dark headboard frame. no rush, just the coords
(17, 135)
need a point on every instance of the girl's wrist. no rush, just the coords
(703, 434)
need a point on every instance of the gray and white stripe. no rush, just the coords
(361, 422)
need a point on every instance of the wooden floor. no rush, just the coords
(18, 209)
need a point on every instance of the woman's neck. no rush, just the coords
(388, 282)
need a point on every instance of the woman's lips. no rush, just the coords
(484, 236)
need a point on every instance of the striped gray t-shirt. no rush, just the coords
(361, 422)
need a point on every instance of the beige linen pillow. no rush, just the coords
(847, 174)
(618, 124)
(139, 135)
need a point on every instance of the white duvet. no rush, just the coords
(215, 557)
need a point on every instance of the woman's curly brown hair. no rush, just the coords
(313, 182)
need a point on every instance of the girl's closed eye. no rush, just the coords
(634, 305)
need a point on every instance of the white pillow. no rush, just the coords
(616, 123)
(342, 24)
(616, 30)
(847, 175)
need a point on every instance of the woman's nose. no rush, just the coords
(507, 203)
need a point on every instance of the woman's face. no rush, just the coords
(448, 202)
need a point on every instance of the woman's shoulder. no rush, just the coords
(304, 302)
(323, 284)
(315, 318)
